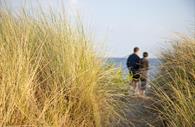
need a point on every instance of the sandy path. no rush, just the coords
(140, 112)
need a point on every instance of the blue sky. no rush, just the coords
(119, 25)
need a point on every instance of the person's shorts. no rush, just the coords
(136, 75)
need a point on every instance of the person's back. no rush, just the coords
(133, 63)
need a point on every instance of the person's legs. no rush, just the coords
(134, 84)
(141, 92)
(142, 87)
(137, 87)
(132, 87)
(135, 80)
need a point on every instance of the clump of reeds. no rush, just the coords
(50, 75)
(175, 85)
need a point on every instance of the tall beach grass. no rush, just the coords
(175, 85)
(50, 75)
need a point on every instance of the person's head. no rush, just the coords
(136, 50)
(145, 54)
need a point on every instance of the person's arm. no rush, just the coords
(138, 63)
(128, 62)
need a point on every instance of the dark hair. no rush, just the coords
(145, 54)
(136, 49)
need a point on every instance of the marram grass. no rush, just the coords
(175, 85)
(51, 76)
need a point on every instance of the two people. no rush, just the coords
(138, 67)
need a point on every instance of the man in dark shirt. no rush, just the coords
(133, 65)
